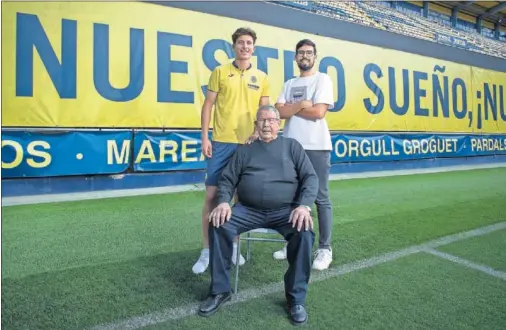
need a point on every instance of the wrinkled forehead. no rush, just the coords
(266, 114)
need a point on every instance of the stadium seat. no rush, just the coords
(380, 15)
(248, 238)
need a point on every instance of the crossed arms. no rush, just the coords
(305, 109)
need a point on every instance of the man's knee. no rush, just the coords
(227, 230)
(209, 202)
(211, 192)
(308, 235)
(303, 236)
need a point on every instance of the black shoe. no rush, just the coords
(213, 303)
(298, 315)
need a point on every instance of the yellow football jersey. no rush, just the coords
(239, 92)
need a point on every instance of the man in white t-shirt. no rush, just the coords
(304, 103)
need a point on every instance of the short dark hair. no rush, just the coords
(305, 42)
(244, 32)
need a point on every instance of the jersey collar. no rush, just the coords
(237, 67)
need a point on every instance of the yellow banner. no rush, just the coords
(140, 65)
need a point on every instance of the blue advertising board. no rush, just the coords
(395, 147)
(37, 154)
(46, 154)
(168, 151)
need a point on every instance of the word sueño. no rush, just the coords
(446, 94)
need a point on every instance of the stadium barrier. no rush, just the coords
(51, 154)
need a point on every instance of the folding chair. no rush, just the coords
(248, 239)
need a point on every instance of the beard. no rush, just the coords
(305, 66)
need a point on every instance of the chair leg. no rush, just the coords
(248, 249)
(237, 264)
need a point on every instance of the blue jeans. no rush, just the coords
(299, 249)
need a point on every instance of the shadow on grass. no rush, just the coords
(82, 297)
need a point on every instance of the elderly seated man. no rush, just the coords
(276, 186)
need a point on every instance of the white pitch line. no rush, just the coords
(464, 262)
(171, 314)
(116, 193)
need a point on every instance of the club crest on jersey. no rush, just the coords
(253, 79)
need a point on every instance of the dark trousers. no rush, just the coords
(299, 249)
(321, 163)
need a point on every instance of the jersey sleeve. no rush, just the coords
(214, 81)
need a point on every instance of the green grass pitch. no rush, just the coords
(76, 265)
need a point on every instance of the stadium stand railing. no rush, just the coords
(380, 15)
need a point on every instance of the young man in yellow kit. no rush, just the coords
(236, 90)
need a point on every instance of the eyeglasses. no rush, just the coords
(307, 52)
(267, 120)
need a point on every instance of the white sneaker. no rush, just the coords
(322, 259)
(281, 254)
(242, 261)
(201, 264)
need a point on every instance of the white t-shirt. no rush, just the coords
(312, 134)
